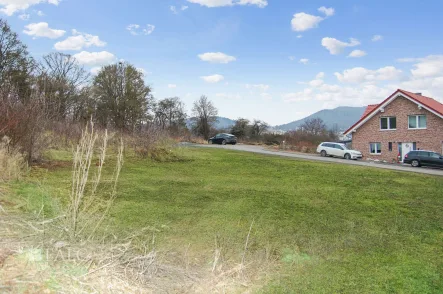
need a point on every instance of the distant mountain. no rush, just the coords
(222, 123)
(340, 117)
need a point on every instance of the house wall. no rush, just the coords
(430, 138)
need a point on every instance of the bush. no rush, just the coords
(12, 163)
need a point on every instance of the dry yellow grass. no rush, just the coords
(12, 163)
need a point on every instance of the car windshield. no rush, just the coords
(344, 147)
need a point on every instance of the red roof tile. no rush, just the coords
(425, 101)
(369, 109)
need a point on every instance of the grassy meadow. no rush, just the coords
(316, 227)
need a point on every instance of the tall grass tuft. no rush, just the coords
(88, 207)
(13, 164)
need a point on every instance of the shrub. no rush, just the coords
(89, 206)
(12, 163)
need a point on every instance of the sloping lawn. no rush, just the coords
(328, 228)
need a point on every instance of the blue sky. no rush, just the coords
(273, 60)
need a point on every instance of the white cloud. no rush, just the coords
(136, 29)
(9, 7)
(361, 75)
(266, 96)
(173, 9)
(78, 41)
(316, 83)
(216, 57)
(333, 96)
(376, 38)
(304, 60)
(95, 59)
(40, 13)
(261, 87)
(299, 36)
(429, 66)
(320, 75)
(95, 70)
(213, 79)
(364, 86)
(327, 11)
(357, 53)
(24, 16)
(303, 21)
(172, 86)
(149, 29)
(42, 30)
(304, 95)
(132, 28)
(143, 71)
(228, 96)
(221, 3)
(291, 58)
(336, 46)
(360, 95)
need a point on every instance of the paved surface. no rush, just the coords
(261, 150)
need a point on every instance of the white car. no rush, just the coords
(338, 150)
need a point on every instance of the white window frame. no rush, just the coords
(389, 123)
(370, 148)
(417, 122)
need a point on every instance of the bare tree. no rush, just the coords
(123, 100)
(259, 127)
(314, 126)
(170, 114)
(204, 113)
(21, 117)
(61, 81)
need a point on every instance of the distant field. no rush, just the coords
(322, 228)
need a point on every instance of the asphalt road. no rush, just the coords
(261, 150)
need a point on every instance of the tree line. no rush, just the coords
(57, 91)
(36, 94)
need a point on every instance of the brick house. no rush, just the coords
(403, 122)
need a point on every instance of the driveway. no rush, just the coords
(261, 150)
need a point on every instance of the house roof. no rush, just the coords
(427, 102)
(368, 110)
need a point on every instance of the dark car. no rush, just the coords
(223, 139)
(424, 158)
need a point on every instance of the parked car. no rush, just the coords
(423, 158)
(223, 139)
(338, 150)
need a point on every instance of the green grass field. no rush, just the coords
(326, 228)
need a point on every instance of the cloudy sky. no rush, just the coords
(276, 60)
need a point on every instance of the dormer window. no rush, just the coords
(388, 123)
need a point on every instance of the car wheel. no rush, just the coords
(323, 153)
(347, 156)
(415, 163)
(224, 142)
(235, 143)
